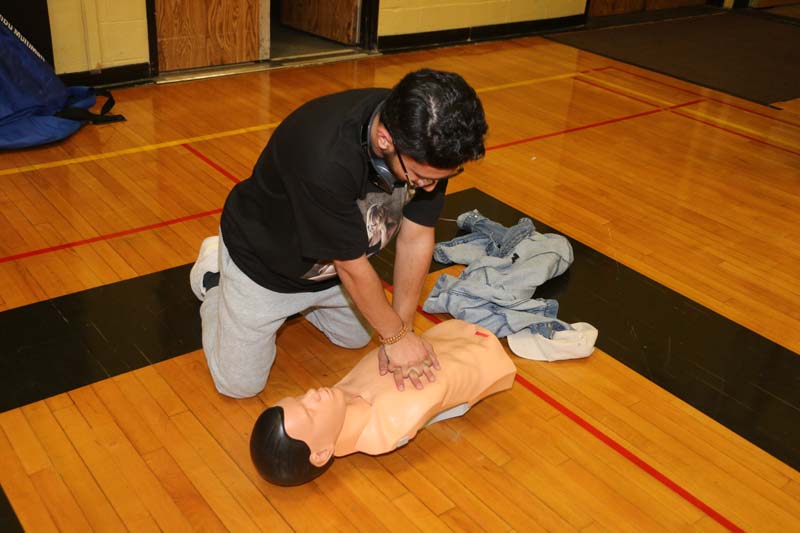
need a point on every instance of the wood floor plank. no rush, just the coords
(634, 488)
(495, 478)
(72, 469)
(105, 470)
(190, 375)
(552, 487)
(483, 516)
(191, 503)
(113, 259)
(411, 506)
(26, 445)
(665, 451)
(418, 483)
(59, 401)
(621, 514)
(162, 393)
(356, 496)
(27, 504)
(225, 506)
(259, 510)
(700, 198)
(439, 441)
(141, 479)
(459, 520)
(369, 467)
(58, 500)
(792, 488)
(124, 415)
(698, 433)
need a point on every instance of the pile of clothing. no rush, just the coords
(495, 290)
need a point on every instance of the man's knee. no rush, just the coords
(353, 341)
(239, 388)
(237, 375)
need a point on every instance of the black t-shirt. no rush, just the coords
(309, 200)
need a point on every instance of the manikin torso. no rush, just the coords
(379, 418)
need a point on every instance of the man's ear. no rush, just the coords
(319, 458)
(384, 138)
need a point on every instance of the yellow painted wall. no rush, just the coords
(398, 17)
(96, 34)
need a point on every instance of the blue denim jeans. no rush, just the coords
(504, 268)
(486, 238)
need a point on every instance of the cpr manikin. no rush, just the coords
(296, 440)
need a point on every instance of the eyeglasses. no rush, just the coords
(458, 171)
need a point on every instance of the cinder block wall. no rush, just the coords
(94, 34)
(399, 17)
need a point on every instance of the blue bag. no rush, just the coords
(35, 106)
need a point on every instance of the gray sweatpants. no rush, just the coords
(241, 319)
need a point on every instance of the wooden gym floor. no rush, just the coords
(692, 192)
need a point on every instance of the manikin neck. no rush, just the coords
(356, 417)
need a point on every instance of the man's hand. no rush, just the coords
(411, 357)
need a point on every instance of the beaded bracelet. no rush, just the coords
(396, 337)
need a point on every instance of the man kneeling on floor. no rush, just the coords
(295, 236)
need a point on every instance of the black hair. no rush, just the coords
(436, 118)
(279, 458)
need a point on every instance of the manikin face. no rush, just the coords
(315, 418)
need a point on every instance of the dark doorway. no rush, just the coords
(32, 20)
(318, 29)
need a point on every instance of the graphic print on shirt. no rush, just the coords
(382, 215)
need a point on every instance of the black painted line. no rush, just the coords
(737, 377)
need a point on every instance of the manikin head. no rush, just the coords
(294, 440)
(430, 125)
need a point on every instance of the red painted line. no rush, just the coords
(756, 139)
(133, 230)
(632, 97)
(734, 132)
(629, 455)
(433, 318)
(655, 81)
(740, 108)
(233, 178)
(711, 98)
(99, 238)
(676, 106)
(597, 69)
(609, 89)
(611, 443)
(211, 163)
(550, 400)
(572, 130)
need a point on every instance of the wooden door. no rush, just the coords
(333, 19)
(203, 33)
